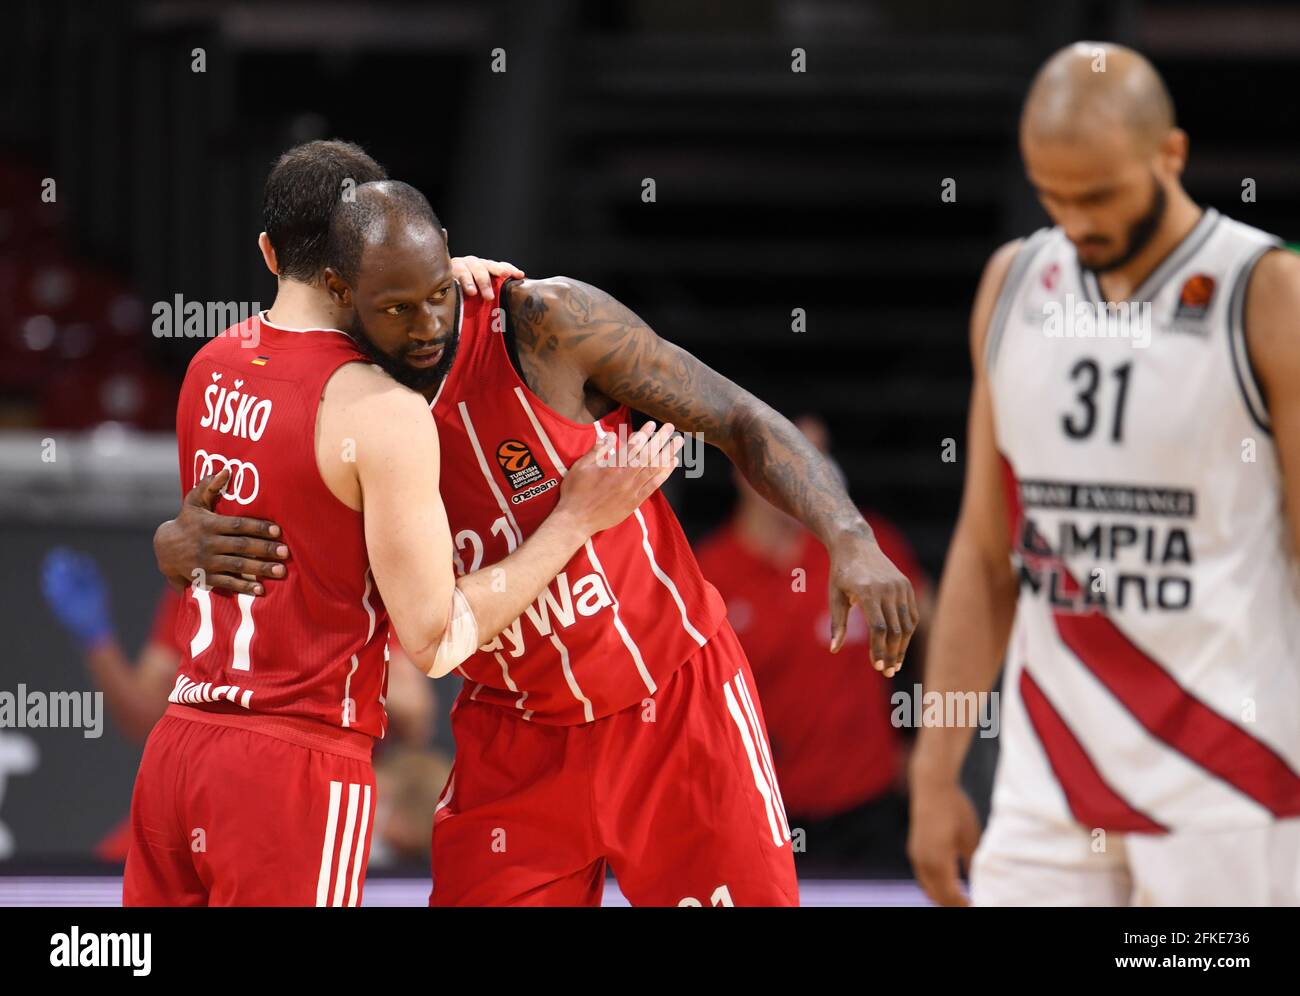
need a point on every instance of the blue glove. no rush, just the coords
(77, 595)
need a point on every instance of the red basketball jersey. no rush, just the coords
(624, 613)
(314, 645)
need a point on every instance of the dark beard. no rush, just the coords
(426, 381)
(1140, 233)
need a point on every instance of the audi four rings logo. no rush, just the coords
(244, 482)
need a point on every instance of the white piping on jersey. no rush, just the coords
(595, 561)
(261, 317)
(628, 642)
(587, 713)
(541, 433)
(590, 551)
(473, 696)
(487, 474)
(447, 792)
(761, 736)
(347, 690)
(356, 663)
(659, 572)
(505, 673)
(365, 603)
(383, 699)
(695, 634)
(510, 684)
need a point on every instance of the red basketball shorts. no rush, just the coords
(677, 795)
(249, 811)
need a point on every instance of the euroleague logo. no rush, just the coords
(1194, 298)
(518, 464)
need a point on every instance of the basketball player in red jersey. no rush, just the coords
(256, 787)
(614, 722)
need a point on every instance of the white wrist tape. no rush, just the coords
(459, 640)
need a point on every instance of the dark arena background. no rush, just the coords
(802, 193)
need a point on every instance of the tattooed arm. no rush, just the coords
(570, 333)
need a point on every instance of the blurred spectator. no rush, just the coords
(409, 771)
(412, 700)
(409, 782)
(74, 344)
(839, 761)
(136, 696)
(135, 693)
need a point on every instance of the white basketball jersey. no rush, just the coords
(1153, 674)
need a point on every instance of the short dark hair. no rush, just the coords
(301, 192)
(354, 220)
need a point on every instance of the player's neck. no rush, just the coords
(304, 306)
(1180, 217)
(768, 534)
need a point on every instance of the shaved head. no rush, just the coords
(379, 211)
(1091, 86)
(1102, 150)
(388, 262)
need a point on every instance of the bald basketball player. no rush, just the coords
(1126, 541)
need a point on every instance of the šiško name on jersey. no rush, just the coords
(314, 646)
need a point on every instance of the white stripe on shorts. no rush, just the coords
(345, 848)
(766, 756)
(760, 779)
(360, 854)
(327, 852)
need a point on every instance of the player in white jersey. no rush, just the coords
(1127, 533)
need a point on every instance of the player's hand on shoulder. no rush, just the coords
(608, 482)
(223, 552)
(475, 275)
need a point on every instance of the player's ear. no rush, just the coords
(446, 242)
(1174, 150)
(337, 288)
(268, 253)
